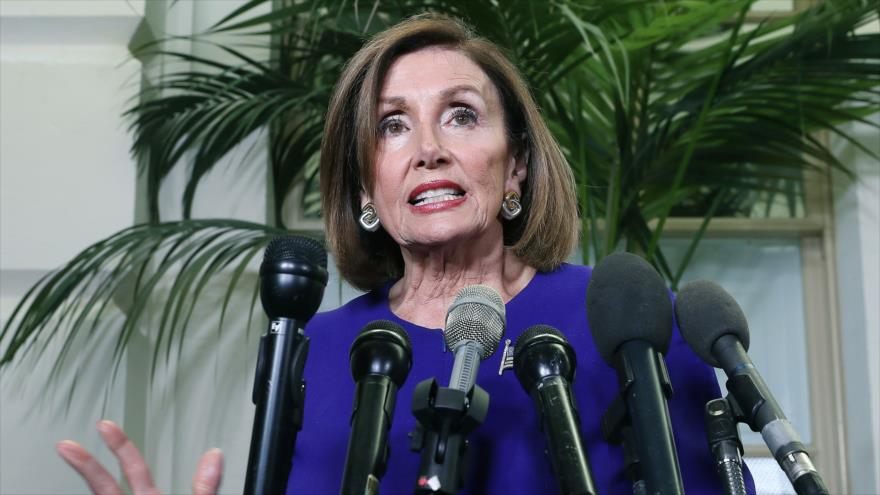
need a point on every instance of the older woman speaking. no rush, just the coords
(438, 172)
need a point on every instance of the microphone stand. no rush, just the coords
(280, 398)
(725, 444)
(445, 417)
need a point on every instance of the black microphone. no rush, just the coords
(714, 325)
(630, 317)
(380, 357)
(544, 363)
(292, 280)
(446, 415)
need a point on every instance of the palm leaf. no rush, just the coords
(172, 261)
(686, 126)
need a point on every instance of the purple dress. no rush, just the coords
(507, 450)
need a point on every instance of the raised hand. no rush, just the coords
(206, 479)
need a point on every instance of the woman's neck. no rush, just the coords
(432, 279)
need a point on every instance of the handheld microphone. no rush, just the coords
(714, 325)
(446, 415)
(292, 280)
(381, 357)
(544, 363)
(630, 317)
(474, 327)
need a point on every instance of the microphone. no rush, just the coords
(630, 317)
(381, 357)
(714, 325)
(292, 280)
(474, 327)
(544, 363)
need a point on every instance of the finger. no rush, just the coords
(209, 472)
(98, 479)
(130, 460)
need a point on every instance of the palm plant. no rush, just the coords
(662, 108)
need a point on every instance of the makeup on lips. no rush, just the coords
(435, 196)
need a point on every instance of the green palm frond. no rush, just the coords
(212, 112)
(771, 100)
(123, 273)
(722, 107)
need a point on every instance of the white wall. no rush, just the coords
(65, 149)
(66, 180)
(857, 225)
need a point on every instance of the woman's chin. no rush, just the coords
(439, 235)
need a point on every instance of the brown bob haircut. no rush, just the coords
(544, 233)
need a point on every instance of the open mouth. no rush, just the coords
(437, 195)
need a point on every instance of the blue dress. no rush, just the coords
(507, 450)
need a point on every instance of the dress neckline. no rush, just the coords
(385, 289)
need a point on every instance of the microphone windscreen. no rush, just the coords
(382, 347)
(628, 300)
(293, 276)
(705, 312)
(477, 314)
(383, 330)
(535, 334)
(542, 351)
(295, 248)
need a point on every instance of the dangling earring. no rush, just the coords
(369, 220)
(511, 206)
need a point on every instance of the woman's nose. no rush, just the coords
(431, 150)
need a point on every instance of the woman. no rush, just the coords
(438, 173)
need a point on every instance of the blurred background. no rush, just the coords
(150, 148)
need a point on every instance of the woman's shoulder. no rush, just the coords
(567, 276)
(571, 269)
(369, 306)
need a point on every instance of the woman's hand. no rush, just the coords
(205, 481)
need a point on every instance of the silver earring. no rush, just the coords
(511, 207)
(369, 219)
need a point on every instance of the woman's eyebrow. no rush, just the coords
(458, 89)
(446, 94)
(394, 101)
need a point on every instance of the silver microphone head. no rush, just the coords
(477, 315)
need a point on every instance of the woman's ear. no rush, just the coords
(516, 173)
(365, 198)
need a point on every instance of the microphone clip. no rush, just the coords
(445, 417)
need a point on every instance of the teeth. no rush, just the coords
(437, 199)
(435, 192)
(436, 195)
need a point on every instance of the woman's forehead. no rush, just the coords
(434, 72)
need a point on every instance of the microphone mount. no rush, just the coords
(445, 417)
(725, 444)
(635, 363)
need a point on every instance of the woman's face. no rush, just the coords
(443, 163)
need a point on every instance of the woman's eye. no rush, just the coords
(464, 116)
(391, 125)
